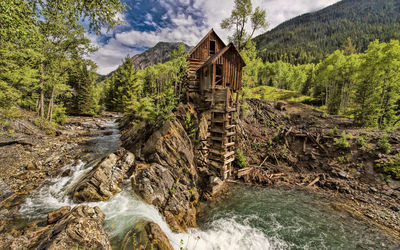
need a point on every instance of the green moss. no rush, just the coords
(240, 161)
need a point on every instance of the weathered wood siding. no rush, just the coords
(202, 52)
(232, 70)
(195, 64)
(205, 78)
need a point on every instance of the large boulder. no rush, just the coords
(168, 178)
(146, 236)
(80, 228)
(105, 179)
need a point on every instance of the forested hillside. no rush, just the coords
(311, 37)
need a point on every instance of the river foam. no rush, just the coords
(126, 209)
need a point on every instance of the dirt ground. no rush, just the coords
(291, 144)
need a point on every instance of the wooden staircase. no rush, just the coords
(222, 132)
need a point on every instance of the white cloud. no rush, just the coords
(111, 55)
(186, 28)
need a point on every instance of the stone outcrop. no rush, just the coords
(80, 228)
(105, 179)
(57, 214)
(146, 236)
(167, 178)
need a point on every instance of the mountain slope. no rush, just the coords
(156, 54)
(310, 37)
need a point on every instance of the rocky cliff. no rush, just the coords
(156, 54)
(165, 173)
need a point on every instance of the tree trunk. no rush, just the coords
(50, 108)
(41, 103)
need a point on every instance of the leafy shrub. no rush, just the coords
(44, 124)
(333, 131)
(60, 115)
(383, 143)
(390, 166)
(244, 109)
(342, 142)
(240, 161)
(361, 141)
(190, 127)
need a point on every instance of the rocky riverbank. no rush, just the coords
(285, 144)
(290, 144)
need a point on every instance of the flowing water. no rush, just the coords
(249, 218)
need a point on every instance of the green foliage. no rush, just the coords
(85, 99)
(43, 124)
(334, 77)
(149, 94)
(241, 15)
(253, 65)
(377, 86)
(342, 142)
(384, 144)
(309, 38)
(364, 86)
(275, 94)
(190, 127)
(361, 142)
(344, 159)
(390, 166)
(240, 161)
(42, 50)
(60, 114)
(287, 76)
(333, 132)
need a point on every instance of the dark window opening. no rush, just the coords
(218, 74)
(212, 47)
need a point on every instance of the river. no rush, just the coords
(247, 218)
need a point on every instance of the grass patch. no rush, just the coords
(274, 94)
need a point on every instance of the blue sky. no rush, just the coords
(151, 21)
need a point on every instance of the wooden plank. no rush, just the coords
(214, 138)
(218, 130)
(213, 76)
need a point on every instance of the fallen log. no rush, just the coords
(21, 141)
(244, 171)
(313, 182)
(263, 161)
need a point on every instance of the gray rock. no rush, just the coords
(105, 179)
(168, 178)
(146, 236)
(81, 228)
(57, 214)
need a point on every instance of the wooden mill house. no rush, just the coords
(214, 79)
